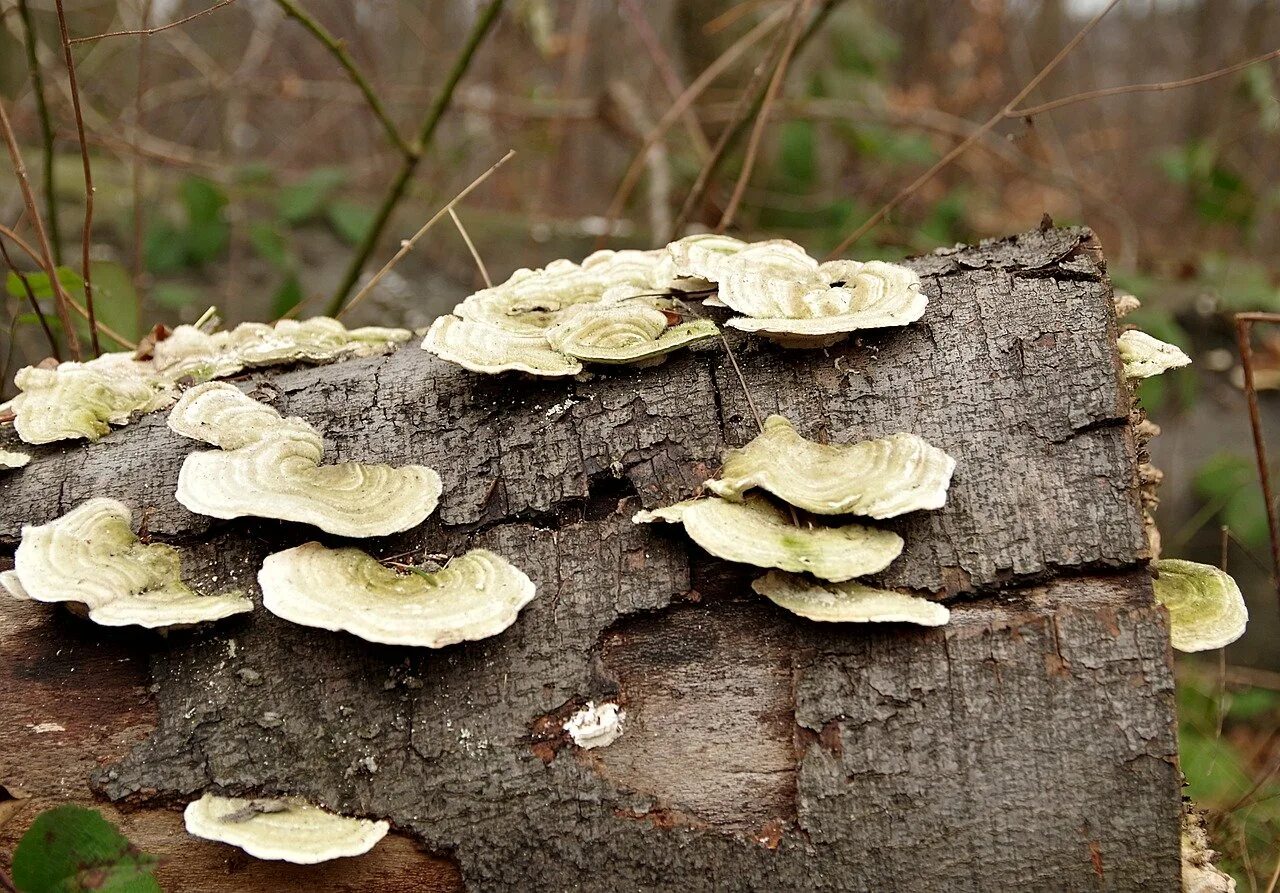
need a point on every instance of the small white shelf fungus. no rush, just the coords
(755, 532)
(596, 725)
(623, 329)
(876, 478)
(269, 467)
(91, 557)
(75, 401)
(475, 596)
(703, 256)
(10, 460)
(287, 830)
(1206, 609)
(485, 348)
(531, 301)
(1145, 357)
(847, 602)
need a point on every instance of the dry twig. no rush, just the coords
(1244, 330)
(35, 305)
(46, 128)
(148, 31)
(471, 246)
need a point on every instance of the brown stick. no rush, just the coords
(1140, 88)
(157, 30)
(46, 128)
(471, 246)
(1244, 329)
(135, 162)
(45, 258)
(667, 71)
(35, 305)
(978, 134)
(87, 236)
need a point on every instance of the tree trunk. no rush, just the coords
(1030, 744)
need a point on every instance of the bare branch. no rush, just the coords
(147, 31)
(46, 128)
(471, 246)
(35, 305)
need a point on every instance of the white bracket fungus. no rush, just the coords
(1206, 609)
(596, 725)
(485, 348)
(288, 830)
(1144, 356)
(10, 460)
(755, 532)
(623, 329)
(269, 467)
(876, 478)
(848, 602)
(91, 557)
(83, 400)
(475, 596)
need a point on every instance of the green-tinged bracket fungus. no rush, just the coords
(267, 466)
(91, 557)
(847, 602)
(475, 596)
(1206, 608)
(875, 478)
(11, 460)
(1145, 357)
(596, 725)
(623, 329)
(489, 350)
(287, 830)
(757, 533)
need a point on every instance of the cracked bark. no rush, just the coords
(1028, 745)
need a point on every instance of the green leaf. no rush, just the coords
(207, 240)
(203, 199)
(39, 283)
(70, 849)
(350, 220)
(115, 301)
(304, 201)
(796, 153)
(176, 296)
(270, 245)
(288, 296)
(164, 248)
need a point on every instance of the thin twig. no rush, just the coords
(339, 50)
(978, 134)
(35, 305)
(157, 30)
(666, 71)
(135, 163)
(102, 327)
(46, 128)
(1244, 328)
(87, 235)
(407, 245)
(1140, 88)
(762, 119)
(23, 244)
(668, 119)
(484, 22)
(45, 258)
(471, 246)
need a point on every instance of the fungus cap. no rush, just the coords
(1206, 608)
(482, 347)
(1145, 357)
(288, 830)
(475, 596)
(876, 478)
(755, 532)
(269, 467)
(83, 400)
(11, 459)
(90, 556)
(847, 602)
(623, 329)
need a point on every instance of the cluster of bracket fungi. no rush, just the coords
(780, 502)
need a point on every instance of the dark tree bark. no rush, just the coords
(1030, 744)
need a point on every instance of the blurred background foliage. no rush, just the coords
(237, 165)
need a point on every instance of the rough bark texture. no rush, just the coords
(1028, 745)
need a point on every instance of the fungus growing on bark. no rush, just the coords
(475, 596)
(10, 460)
(755, 532)
(288, 830)
(482, 347)
(1206, 609)
(622, 328)
(1144, 356)
(269, 467)
(876, 478)
(596, 725)
(91, 557)
(83, 400)
(847, 602)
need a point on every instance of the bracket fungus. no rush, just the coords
(847, 602)
(288, 830)
(475, 596)
(83, 400)
(1145, 357)
(596, 725)
(269, 467)
(876, 478)
(623, 329)
(1206, 608)
(10, 459)
(485, 348)
(91, 557)
(755, 532)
